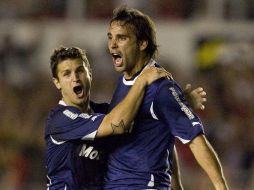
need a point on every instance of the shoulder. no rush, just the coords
(168, 92)
(62, 116)
(63, 112)
(164, 84)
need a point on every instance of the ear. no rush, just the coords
(143, 45)
(90, 73)
(56, 82)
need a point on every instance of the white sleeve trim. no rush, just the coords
(184, 141)
(56, 142)
(90, 136)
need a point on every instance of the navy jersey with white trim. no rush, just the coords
(74, 158)
(143, 158)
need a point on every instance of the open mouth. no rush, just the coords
(78, 90)
(117, 59)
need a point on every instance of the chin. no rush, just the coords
(119, 69)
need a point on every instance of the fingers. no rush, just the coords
(150, 74)
(187, 88)
(162, 72)
(199, 90)
(197, 97)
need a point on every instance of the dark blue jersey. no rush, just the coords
(143, 158)
(73, 155)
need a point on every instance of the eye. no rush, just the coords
(109, 37)
(66, 73)
(80, 70)
(122, 38)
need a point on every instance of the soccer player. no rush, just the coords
(143, 158)
(73, 132)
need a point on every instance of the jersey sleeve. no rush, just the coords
(172, 108)
(67, 125)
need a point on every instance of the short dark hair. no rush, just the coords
(142, 25)
(64, 53)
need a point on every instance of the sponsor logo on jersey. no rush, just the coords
(89, 152)
(184, 108)
(85, 115)
(74, 116)
(70, 114)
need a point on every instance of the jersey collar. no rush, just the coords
(61, 102)
(131, 81)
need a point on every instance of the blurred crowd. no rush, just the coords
(27, 94)
(96, 9)
(228, 79)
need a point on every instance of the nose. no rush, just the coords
(75, 76)
(113, 44)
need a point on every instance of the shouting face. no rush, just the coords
(126, 52)
(74, 82)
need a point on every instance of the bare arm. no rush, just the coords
(119, 119)
(176, 177)
(196, 99)
(209, 161)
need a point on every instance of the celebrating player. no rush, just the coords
(143, 158)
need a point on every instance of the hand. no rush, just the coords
(195, 97)
(151, 74)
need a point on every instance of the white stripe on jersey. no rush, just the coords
(195, 123)
(151, 182)
(56, 142)
(49, 182)
(152, 112)
(90, 136)
(184, 141)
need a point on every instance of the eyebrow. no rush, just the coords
(64, 71)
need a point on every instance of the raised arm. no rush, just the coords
(119, 119)
(209, 161)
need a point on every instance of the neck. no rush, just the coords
(137, 67)
(84, 107)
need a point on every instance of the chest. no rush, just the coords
(145, 107)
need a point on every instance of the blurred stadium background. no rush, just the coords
(204, 42)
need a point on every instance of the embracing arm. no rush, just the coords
(119, 119)
(209, 161)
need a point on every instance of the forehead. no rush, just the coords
(70, 63)
(121, 27)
